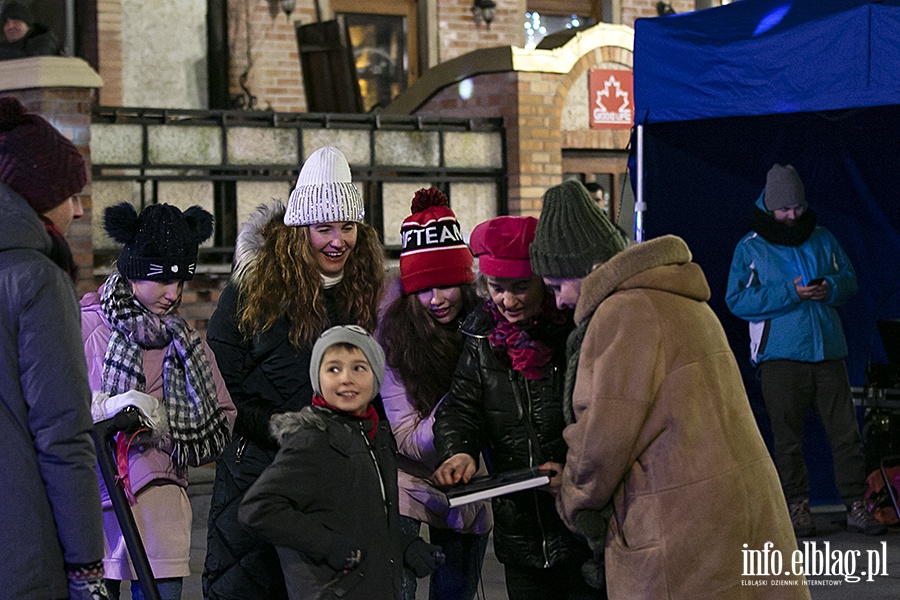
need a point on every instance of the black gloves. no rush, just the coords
(422, 558)
(593, 526)
(344, 556)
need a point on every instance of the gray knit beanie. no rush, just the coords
(355, 336)
(573, 234)
(784, 188)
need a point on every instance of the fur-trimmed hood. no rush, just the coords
(285, 425)
(250, 239)
(663, 263)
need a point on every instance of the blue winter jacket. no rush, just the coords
(761, 290)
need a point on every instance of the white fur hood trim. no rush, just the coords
(250, 240)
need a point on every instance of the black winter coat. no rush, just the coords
(39, 41)
(331, 488)
(485, 411)
(264, 375)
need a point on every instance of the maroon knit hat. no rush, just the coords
(36, 161)
(501, 246)
(433, 251)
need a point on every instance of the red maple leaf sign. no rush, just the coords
(611, 98)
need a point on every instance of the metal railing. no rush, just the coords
(146, 153)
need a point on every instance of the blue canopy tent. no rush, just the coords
(722, 94)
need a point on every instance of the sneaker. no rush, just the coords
(802, 520)
(860, 520)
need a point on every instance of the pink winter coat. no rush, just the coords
(416, 457)
(146, 464)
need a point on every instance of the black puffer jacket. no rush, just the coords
(265, 375)
(330, 488)
(484, 410)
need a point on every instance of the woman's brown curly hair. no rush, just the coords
(287, 282)
(421, 352)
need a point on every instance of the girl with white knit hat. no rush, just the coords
(298, 269)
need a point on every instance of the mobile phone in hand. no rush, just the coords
(817, 281)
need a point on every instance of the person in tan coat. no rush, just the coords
(662, 426)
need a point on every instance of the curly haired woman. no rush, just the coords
(298, 270)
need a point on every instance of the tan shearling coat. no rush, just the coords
(664, 429)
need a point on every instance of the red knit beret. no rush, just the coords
(433, 252)
(36, 161)
(501, 246)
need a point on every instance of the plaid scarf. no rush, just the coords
(197, 425)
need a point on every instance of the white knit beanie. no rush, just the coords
(324, 193)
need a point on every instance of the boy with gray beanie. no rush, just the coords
(662, 427)
(329, 501)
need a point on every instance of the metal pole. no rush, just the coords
(70, 28)
(102, 433)
(639, 206)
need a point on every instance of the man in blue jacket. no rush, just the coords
(787, 276)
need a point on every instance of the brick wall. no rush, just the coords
(201, 295)
(458, 35)
(531, 106)
(109, 51)
(637, 9)
(275, 77)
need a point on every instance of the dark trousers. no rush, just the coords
(563, 582)
(459, 576)
(789, 389)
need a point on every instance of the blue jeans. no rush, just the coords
(458, 577)
(169, 589)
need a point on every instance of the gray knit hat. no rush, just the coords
(572, 234)
(355, 336)
(324, 192)
(784, 188)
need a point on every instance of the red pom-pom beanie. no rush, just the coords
(433, 252)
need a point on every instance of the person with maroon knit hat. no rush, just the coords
(420, 333)
(46, 170)
(505, 400)
(50, 520)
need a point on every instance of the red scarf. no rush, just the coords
(371, 415)
(531, 357)
(60, 253)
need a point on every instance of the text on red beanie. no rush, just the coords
(433, 252)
